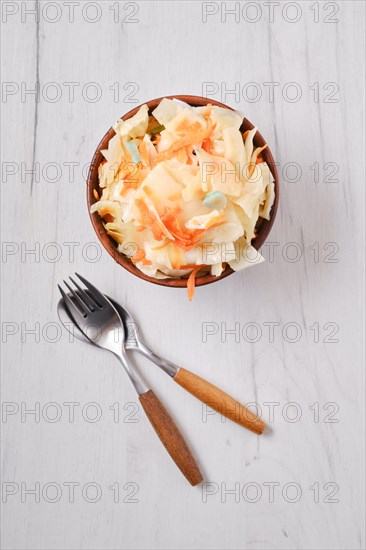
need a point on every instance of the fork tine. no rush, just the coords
(84, 296)
(82, 305)
(96, 295)
(74, 312)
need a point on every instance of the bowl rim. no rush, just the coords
(92, 183)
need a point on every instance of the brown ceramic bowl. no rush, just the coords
(109, 244)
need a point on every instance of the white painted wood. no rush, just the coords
(170, 50)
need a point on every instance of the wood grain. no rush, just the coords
(171, 437)
(219, 400)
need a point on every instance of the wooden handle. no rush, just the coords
(219, 400)
(171, 437)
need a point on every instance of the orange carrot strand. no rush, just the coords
(191, 283)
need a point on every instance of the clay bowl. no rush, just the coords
(109, 244)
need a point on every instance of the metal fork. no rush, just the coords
(100, 322)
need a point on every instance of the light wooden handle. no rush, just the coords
(219, 400)
(171, 437)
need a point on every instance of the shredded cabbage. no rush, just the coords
(187, 198)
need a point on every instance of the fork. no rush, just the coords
(94, 310)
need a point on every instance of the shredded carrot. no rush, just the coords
(96, 195)
(183, 238)
(192, 266)
(186, 127)
(191, 283)
(207, 145)
(190, 139)
(148, 218)
(140, 256)
(259, 160)
(245, 135)
(188, 244)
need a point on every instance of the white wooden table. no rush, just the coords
(100, 477)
